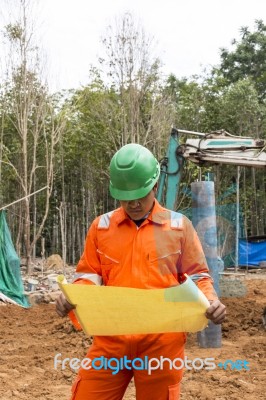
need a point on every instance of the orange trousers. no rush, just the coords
(158, 384)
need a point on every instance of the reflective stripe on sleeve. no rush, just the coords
(197, 277)
(104, 221)
(95, 278)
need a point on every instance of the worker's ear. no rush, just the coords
(155, 187)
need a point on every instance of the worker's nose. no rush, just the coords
(133, 203)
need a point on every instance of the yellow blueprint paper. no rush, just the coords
(109, 310)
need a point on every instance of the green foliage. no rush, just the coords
(247, 60)
(240, 109)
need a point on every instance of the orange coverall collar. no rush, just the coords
(156, 214)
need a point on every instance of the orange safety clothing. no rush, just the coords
(154, 255)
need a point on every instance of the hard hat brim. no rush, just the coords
(128, 195)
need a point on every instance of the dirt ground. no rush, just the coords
(30, 338)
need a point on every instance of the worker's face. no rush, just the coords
(137, 209)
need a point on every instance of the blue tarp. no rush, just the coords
(251, 253)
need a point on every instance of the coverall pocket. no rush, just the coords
(108, 265)
(164, 266)
(75, 387)
(174, 392)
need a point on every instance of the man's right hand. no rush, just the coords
(63, 306)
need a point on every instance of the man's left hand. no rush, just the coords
(216, 312)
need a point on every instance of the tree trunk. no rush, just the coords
(62, 213)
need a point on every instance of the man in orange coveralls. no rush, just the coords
(139, 245)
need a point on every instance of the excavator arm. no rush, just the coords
(218, 147)
(221, 147)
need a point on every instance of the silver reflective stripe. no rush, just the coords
(95, 278)
(104, 221)
(197, 277)
(165, 256)
(106, 256)
(176, 220)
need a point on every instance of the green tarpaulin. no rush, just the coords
(11, 284)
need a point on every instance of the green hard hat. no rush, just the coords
(133, 172)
